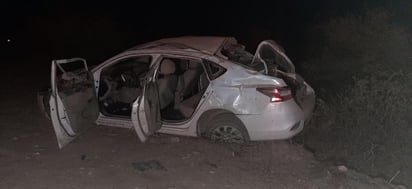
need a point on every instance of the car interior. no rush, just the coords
(76, 91)
(121, 84)
(181, 84)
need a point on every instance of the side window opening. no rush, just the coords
(121, 84)
(73, 77)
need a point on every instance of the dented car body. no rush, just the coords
(190, 86)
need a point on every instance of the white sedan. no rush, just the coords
(189, 86)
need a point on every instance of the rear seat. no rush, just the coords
(186, 85)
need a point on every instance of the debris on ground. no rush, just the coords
(148, 165)
(342, 168)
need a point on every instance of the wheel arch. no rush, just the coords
(207, 115)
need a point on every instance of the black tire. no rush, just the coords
(43, 97)
(227, 128)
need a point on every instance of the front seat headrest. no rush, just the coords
(167, 67)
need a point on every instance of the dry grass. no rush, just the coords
(362, 73)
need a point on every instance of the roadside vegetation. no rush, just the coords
(360, 66)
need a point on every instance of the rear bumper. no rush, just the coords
(289, 133)
(277, 122)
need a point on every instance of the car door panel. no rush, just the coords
(146, 116)
(73, 103)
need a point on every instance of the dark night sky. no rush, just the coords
(200, 16)
(46, 23)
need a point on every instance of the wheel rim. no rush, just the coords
(227, 134)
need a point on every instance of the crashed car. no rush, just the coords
(189, 86)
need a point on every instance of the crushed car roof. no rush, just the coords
(207, 44)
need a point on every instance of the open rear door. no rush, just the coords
(146, 116)
(73, 104)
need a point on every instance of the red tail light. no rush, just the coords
(276, 94)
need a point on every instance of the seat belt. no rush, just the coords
(179, 91)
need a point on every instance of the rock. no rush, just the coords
(342, 168)
(148, 165)
(187, 156)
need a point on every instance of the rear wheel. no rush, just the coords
(226, 128)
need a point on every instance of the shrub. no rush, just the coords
(362, 66)
(350, 46)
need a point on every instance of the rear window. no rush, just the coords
(239, 55)
(267, 62)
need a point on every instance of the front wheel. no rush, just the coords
(227, 128)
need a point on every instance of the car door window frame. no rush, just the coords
(212, 76)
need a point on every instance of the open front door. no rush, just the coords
(73, 104)
(146, 116)
(271, 55)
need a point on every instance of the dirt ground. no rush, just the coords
(107, 157)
